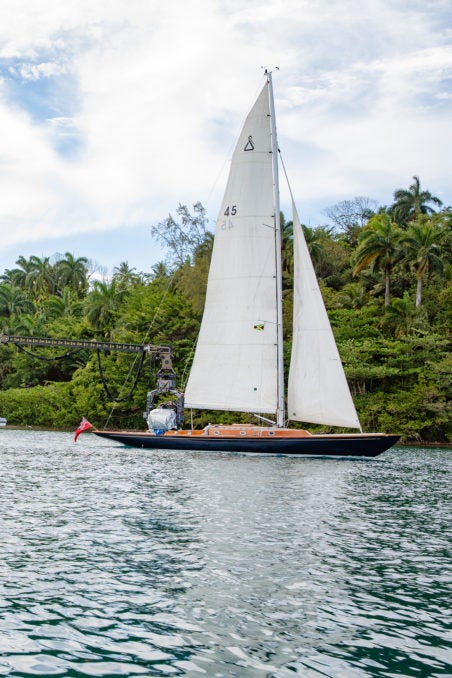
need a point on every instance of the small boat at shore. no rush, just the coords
(239, 362)
(3, 421)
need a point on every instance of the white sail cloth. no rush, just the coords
(235, 361)
(318, 391)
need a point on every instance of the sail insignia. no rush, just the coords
(250, 145)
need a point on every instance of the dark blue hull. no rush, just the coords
(357, 445)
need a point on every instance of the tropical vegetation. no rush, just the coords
(385, 274)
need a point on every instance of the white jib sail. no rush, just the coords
(318, 392)
(235, 362)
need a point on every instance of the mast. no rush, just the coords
(280, 418)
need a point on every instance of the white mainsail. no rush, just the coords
(318, 392)
(235, 362)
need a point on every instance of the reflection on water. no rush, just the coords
(119, 562)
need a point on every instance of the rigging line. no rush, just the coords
(148, 332)
(165, 294)
(121, 399)
(184, 379)
(106, 387)
(41, 357)
(230, 150)
(285, 174)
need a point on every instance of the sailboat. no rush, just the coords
(238, 363)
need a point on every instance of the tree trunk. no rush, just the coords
(419, 292)
(387, 293)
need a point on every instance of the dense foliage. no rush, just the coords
(385, 275)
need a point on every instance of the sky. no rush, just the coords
(113, 112)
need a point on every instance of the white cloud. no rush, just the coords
(140, 102)
(36, 71)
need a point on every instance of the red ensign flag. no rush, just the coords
(83, 426)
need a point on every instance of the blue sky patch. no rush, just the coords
(48, 94)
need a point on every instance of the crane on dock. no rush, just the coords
(166, 377)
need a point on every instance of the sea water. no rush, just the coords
(124, 562)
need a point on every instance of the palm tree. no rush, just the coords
(423, 241)
(13, 301)
(72, 271)
(400, 316)
(205, 247)
(18, 276)
(125, 276)
(379, 246)
(160, 270)
(287, 252)
(353, 296)
(412, 202)
(103, 303)
(41, 278)
(315, 239)
(404, 318)
(24, 324)
(8, 276)
(64, 304)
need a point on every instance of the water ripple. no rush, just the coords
(121, 562)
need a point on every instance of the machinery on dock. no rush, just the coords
(169, 416)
